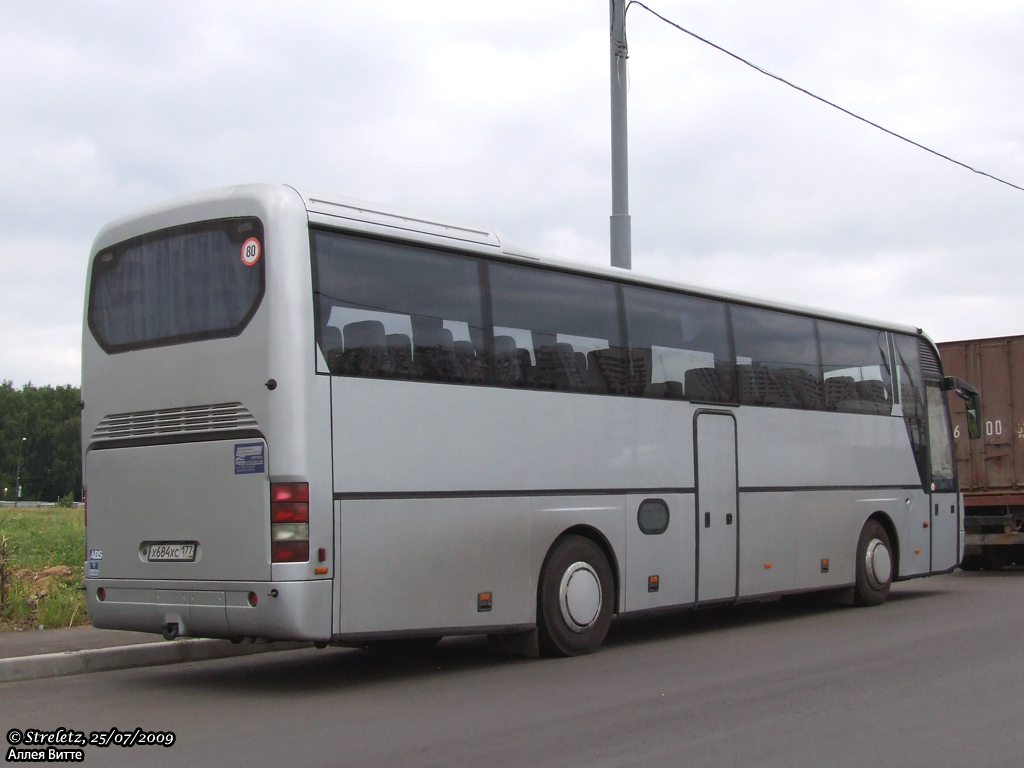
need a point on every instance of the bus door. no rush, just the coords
(944, 510)
(717, 506)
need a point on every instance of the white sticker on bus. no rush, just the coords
(250, 251)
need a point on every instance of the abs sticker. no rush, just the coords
(250, 459)
(250, 251)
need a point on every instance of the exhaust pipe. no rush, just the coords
(170, 631)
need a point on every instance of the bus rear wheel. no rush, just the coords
(874, 565)
(575, 598)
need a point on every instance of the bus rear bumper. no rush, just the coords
(287, 610)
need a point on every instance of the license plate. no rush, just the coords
(172, 552)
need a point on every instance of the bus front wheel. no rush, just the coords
(874, 565)
(575, 597)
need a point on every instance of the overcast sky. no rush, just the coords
(498, 113)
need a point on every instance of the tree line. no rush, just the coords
(49, 419)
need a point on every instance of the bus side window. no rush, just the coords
(558, 321)
(776, 359)
(912, 397)
(855, 361)
(422, 301)
(678, 346)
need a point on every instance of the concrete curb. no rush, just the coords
(127, 656)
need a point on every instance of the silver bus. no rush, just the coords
(312, 418)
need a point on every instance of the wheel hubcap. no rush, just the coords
(877, 564)
(579, 596)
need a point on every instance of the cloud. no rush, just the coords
(498, 113)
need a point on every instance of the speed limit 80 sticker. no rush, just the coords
(251, 251)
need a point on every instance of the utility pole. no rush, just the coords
(17, 474)
(621, 247)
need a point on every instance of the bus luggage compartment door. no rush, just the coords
(717, 508)
(182, 511)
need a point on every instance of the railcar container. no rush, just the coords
(991, 470)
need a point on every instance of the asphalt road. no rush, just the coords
(934, 677)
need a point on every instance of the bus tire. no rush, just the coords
(874, 565)
(575, 597)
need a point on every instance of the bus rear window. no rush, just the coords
(188, 283)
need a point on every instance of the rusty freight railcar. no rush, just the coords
(991, 470)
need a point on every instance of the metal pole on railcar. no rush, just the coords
(621, 248)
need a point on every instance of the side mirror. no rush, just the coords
(969, 393)
(974, 416)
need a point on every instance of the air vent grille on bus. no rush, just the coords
(930, 365)
(195, 419)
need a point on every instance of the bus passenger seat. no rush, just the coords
(873, 391)
(506, 362)
(556, 369)
(366, 351)
(781, 392)
(609, 370)
(527, 370)
(471, 365)
(332, 345)
(840, 393)
(640, 370)
(434, 355)
(753, 381)
(704, 385)
(400, 352)
(581, 366)
(808, 390)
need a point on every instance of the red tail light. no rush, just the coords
(289, 552)
(289, 522)
(289, 492)
(289, 512)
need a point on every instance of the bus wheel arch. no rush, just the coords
(577, 593)
(877, 562)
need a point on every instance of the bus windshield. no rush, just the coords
(188, 283)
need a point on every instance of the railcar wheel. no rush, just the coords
(874, 565)
(971, 563)
(1017, 554)
(575, 598)
(994, 558)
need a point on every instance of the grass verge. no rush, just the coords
(45, 550)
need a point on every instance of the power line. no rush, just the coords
(819, 98)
